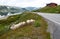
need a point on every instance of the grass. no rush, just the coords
(28, 31)
(47, 9)
(37, 24)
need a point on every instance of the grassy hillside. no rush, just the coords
(36, 30)
(49, 9)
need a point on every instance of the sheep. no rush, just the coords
(17, 25)
(23, 23)
(13, 27)
(30, 21)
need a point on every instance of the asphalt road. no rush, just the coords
(53, 24)
(53, 17)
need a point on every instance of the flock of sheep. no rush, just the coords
(13, 27)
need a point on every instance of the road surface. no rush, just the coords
(53, 24)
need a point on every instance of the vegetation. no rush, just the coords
(30, 31)
(49, 9)
(37, 24)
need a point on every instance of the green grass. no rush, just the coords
(47, 9)
(37, 24)
(27, 31)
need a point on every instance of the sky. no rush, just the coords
(27, 3)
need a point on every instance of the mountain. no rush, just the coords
(31, 8)
(23, 9)
(4, 10)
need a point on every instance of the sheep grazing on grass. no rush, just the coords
(30, 21)
(13, 27)
(17, 25)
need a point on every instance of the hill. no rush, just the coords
(4, 10)
(47, 9)
(31, 8)
(36, 30)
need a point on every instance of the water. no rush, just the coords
(8, 14)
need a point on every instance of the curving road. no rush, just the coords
(53, 24)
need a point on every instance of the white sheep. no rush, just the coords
(23, 23)
(30, 21)
(17, 25)
(13, 27)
